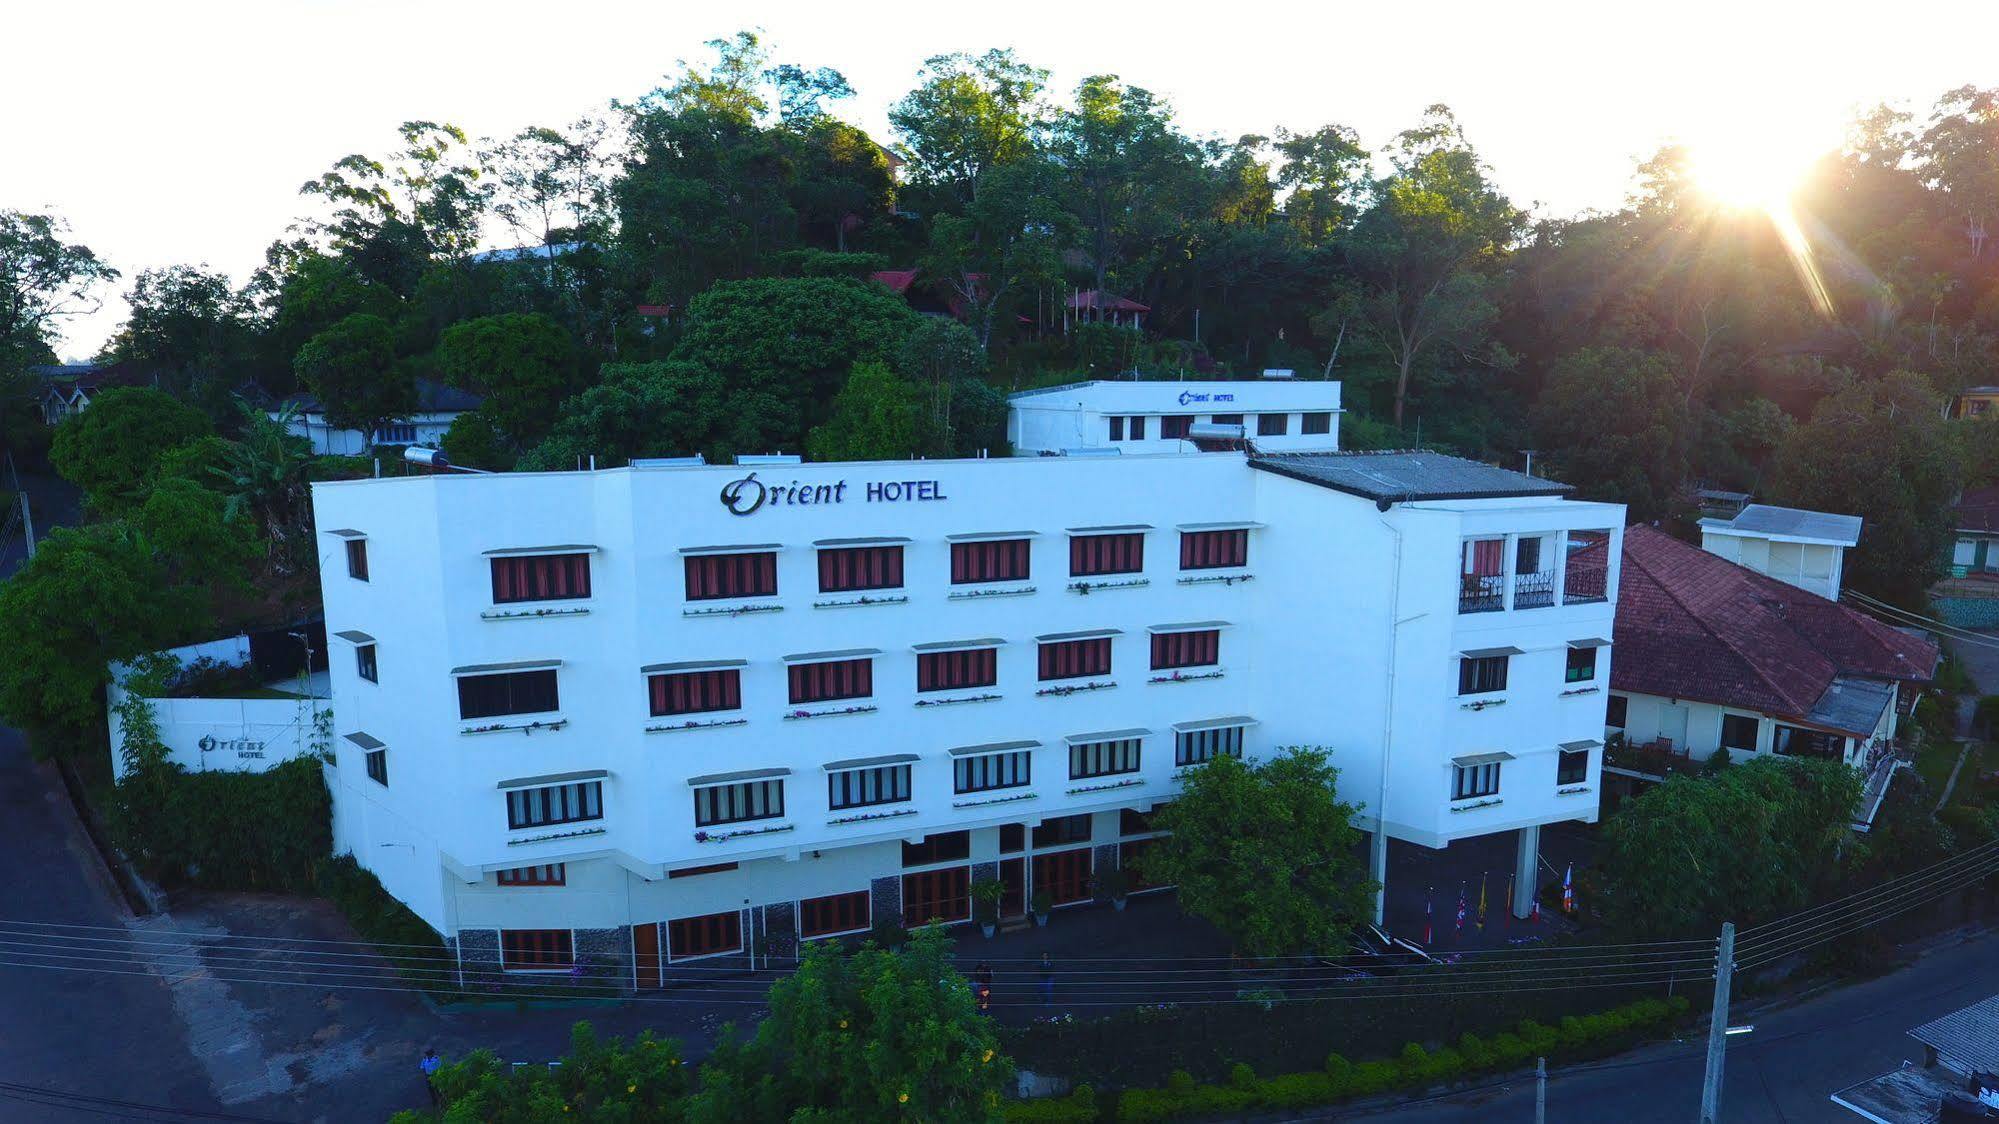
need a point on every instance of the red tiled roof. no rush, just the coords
(1692, 625)
(1108, 302)
(897, 281)
(1978, 510)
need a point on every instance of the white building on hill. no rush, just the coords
(648, 713)
(1273, 416)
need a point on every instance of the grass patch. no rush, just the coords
(1935, 761)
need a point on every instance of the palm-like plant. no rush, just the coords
(264, 477)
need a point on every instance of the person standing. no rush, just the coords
(1047, 978)
(429, 1066)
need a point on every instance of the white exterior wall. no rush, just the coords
(1076, 417)
(1649, 717)
(328, 440)
(1814, 567)
(1305, 655)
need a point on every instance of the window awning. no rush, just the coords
(1590, 642)
(566, 548)
(348, 533)
(1213, 724)
(1488, 653)
(1229, 525)
(735, 548)
(498, 668)
(366, 741)
(1188, 626)
(1586, 743)
(553, 778)
(873, 540)
(736, 778)
(1112, 529)
(958, 645)
(1086, 634)
(354, 636)
(838, 654)
(869, 762)
(1105, 736)
(690, 665)
(992, 536)
(1481, 759)
(991, 747)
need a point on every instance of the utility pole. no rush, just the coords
(1540, 1091)
(1717, 1030)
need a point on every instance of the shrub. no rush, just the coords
(382, 920)
(1242, 1076)
(1079, 1107)
(1299, 1090)
(227, 830)
(1338, 1068)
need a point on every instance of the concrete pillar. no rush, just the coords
(1379, 871)
(885, 899)
(1527, 871)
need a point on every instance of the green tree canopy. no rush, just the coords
(662, 409)
(524, 364)
(43, 279)
(1295, 884)
(643, 1080)
(351, 368)
(873, 419)
(112, 450)
(198, 542)
(969, 115)
(1617, 427)
(185, 324)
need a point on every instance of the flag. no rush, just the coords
(1568, 889)
(1481, 903)
(1428, 934)
(1463, 908)
(1507, 913)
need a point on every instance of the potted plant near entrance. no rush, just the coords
(1043, 902)
(1116, 885)
(985, 904)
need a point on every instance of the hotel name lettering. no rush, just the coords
(750, 495)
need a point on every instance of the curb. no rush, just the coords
(139, 896)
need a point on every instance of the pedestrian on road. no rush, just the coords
(429, 1066)
(1047, 979)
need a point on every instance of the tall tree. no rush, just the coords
(522, 362)
(351, 368)
(1959, 155)
(112, 450)
(1128, 167)
(663, 409)
(873, 419)
(1325, 172)
(44, 278)
(393, 215)
(968, 116)
(186, 325)
(1615, 425)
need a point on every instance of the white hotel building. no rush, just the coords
(651, 714)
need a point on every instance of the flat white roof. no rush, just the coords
(1204, 397)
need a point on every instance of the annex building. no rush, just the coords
(655, 714)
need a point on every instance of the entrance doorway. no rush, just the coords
(645, 951)
(1013, 889)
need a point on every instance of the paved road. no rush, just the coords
(1782, 1074)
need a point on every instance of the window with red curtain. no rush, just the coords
(952, 671)
(835, 913)
(835, 679)
(541, 577)
(845, 569)
(1186, 649)
(532, 949)
(1485, 558)
(1003, 560)
(548, 874)
(1073, 659)
(704, 936)
(1092, 555)
(944, 894)
(1212, 550)
(696, 692)
(713, 576)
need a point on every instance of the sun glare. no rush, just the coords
(1750, 174)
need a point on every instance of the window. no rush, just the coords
(989, 771)
(1527, 555)
(861, 788)
(835, 679)
(1738, 732)
(513, 692)
(1074, 659)
(548, 874)
(1213, 550)
(1117, 427)
(939, 848)
(1013, 838)
(1482, 675)
(555, 804)
(541, 577)
(1475, 780)
(1095, 555)
(1175, 425)
(1614, 710)
(836, 913)
(1136, 430)
(1061, 830)
(708, 935)
(1272, 425)
(953, 671)
(1005, 560)
(1186, 649)
(945, 895)
(846, 569)
(1794, 741)
(396, 434)
(1227, 419)
(1573, 768)
(357, 559)
(696, 692)
(1194, 747)
(1064, 874)
(1316, 422)
(364, 662)
(713, 576)
(692, 871)
(1103, 759)
(736, 803)
(378, 766)
(1582, 665)
(530, 950)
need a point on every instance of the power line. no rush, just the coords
(112, 1106)
(1759, 932)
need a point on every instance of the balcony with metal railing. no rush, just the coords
(1482, 593)
(1534, 591)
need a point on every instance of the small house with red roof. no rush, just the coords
(1713, 654)
(1097, 306)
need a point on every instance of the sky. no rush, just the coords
(180, 133)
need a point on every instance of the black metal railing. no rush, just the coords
(1481, 593)
(1584, 584)
(1534, 591)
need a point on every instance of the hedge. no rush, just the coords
(1339, 1079)
(413, 946)
(227, 830)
